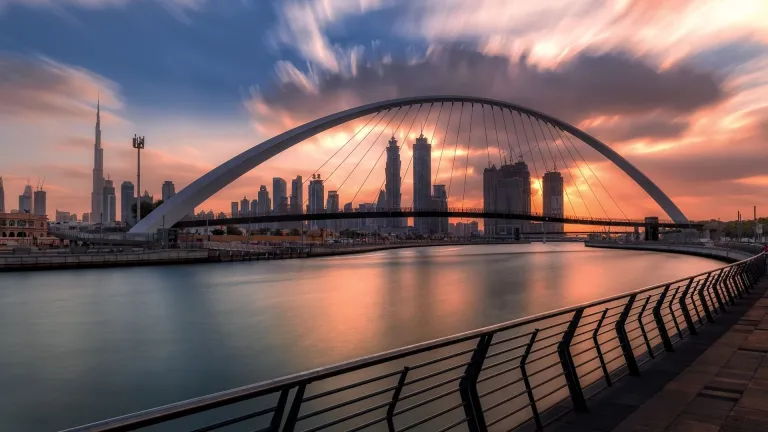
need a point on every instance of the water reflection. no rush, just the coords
(92, 344)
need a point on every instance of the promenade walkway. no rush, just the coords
(715, 381)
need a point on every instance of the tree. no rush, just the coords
(146, 208)
(217, 231)
(276, 232)
(294, 232)
(263, 231)
(233, 230)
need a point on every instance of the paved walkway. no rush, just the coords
(716, 381)
(725, 389)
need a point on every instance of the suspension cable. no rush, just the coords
(342, 147)
(533, 132)
(485, 128)
(382, 154)
(587, 181)
(422, 129)
(402, 178)
(498, 141)
(538, 122)
(533, 159)
(455, 148)
(590, 170)
(469, 147)
(369, 148)
(445, 142)
(509, 144)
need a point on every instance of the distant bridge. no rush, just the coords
(467, 213)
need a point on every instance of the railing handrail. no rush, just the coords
(289, 381)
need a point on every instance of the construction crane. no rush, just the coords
(40, 183)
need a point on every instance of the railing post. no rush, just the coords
(745, 279)
(395, 398)
(527, 382)
(715, 286)
(727, 286)
(277, 416)
(737, 288)
(684, 308)
(660, 321)
(694, 290)
(599, 350)
(626, 346)
(468, 386)
(642, 326)
(703, 299)
(293, 413)
(672, 312)
(566, 361)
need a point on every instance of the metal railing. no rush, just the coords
(523, 372)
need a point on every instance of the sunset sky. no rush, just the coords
(678, 87)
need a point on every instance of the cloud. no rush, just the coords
(302, 25)
(588, 85)
(40, 88)
(615, 129)
(99, 4)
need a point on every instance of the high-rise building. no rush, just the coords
(40, 198)
(254, 207)
(439, 225)
(279, 196)
(25, 200)
(553, 199)
(127, 200)
(245, 207)
(147, 198)
(109, 210)
(316, 198)
(392, 187)
(500, 194)
(97, 200)
(169, 190)
(234, 208)
(297, 195)
(265, 203)
(62, 216)
(86, 217)
(2, 196)
(332, 206)
(422, 181)
(351, 224)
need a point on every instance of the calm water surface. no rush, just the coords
(82, 345)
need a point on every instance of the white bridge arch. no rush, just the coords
(203, 188)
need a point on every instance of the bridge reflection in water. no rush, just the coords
(521, 373)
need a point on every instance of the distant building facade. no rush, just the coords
(553, 199)
(169, 190)
(127, 201)
(316, 200)
(109, 209)
(40, 204)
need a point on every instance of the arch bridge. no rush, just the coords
(171, 212)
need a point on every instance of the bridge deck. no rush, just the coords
(718, 381)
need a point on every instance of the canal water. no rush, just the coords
(78, 346)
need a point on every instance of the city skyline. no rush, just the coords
(677, 103)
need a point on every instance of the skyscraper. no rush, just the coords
(553, 199)
(127, 200)
(439, 225)
(40, 198)
(254, 207)
(350, 223)
(297, 195)
(109, 208)
(332, 206)
(169, 190)
(25, 200)
(422, 181)
(147, 198)
(2, 196)
(316, 196)
(392, 172)
(234, 208)
(265, 204)
(501, 194)
(279, 196)
(245, 208)
(97, 200)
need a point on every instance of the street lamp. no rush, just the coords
(138, 144)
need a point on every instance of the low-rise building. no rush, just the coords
(22, 225)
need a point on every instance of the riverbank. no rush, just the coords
(63, 260)
(720, 253)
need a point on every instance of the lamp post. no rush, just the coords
(138, 144)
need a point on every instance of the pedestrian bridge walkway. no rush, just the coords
(718, 381)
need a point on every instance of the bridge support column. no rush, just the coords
(652, 228)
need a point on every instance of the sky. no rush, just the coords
(678, 87)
